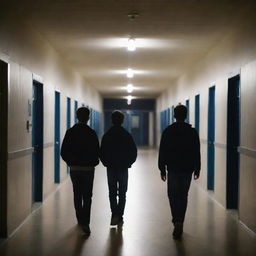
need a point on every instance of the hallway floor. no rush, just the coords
(147, 231)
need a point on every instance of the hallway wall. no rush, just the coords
(30, 55)
(234, 54)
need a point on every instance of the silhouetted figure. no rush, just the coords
(118, 152)
(179, 155)
(80, 150)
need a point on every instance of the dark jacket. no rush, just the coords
(179, 149)
(118, 148)
(80, 146)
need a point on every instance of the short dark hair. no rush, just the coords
(83, 114)
(180, 112)
(117, 117)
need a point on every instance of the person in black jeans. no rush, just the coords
(179, 154)
(117, 152)
(80, 150)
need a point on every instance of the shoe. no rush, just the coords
(178, 230)
(114, 220)
(120, 221)
(86, 229)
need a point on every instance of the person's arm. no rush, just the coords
(197, 157)
(95, 148)
(162, 157)
(65, 147)
(103, 151)
(133, 150)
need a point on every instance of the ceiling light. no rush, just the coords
(130, 73)
(129, 88)
(129, 99)
(131, 45)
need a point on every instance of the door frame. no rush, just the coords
(4, 101)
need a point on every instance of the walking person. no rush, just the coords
(80, 150)
(117, 152)
(179, 155)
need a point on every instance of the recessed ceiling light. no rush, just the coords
(130, 73)
(129, 99)
(129, 88)
(131, 46)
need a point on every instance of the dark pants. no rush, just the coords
(82, 187)
(117, 185)
(178, 186)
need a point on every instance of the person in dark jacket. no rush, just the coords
(179, 155)
(80, 150)
(118, 152)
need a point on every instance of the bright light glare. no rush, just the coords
(129, 99)
(129, 88)
(130, 73)
(131, 45)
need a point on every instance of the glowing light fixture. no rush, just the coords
(131, 46)
(129, 99)
(130, 73)
(129, 88)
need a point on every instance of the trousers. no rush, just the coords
(82, 186)
(178, 186)
(117, 185)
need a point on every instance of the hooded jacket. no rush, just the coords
(118, 148)
(179, 149)
(80, 146)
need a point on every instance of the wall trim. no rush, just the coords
(220, 145)
(20, 153)
(247, 151)
(48, 144)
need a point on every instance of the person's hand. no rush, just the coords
(196, 176)
(163, 177)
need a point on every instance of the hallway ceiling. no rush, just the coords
(172, 36)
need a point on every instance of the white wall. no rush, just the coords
(234, 54)
(29, 53)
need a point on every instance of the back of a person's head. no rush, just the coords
(83, 114)
(117, 117)
(180, 112)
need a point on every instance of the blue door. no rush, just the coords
(173, 114)
(57, 139)
(68, 118)
(37, 142)
(68, 112)
(3, 146)
(197, 112)
(75, 109)
(211, 139)
(233, 141)
(187, 105)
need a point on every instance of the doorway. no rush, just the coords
(3, 146)
(37, 142)
(57, 138)
(187, 105)
(75, 109)
(233, 141)
(211, 139)
(197, 112)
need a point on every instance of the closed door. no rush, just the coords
(3, 146)
(57, 138)
(187, 105)
(233, 141)
(75, 109)
(37, 142)
(211, 139)
(197, 112)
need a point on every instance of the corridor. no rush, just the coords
(209, 228)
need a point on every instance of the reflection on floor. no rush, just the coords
(209, 229)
